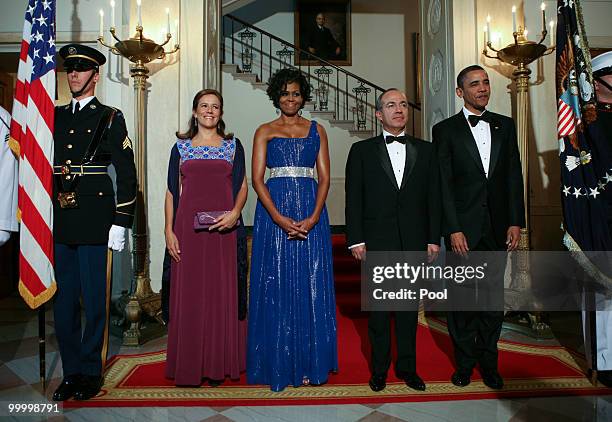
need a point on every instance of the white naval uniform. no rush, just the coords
(603, 336)
(8, 181)
(603, 318)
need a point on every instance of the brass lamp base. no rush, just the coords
(520, 54)
(144, 302)
(527, 323)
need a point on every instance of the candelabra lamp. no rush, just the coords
(142, 300)
(520, 54)
(285, 56)
(246, 46)
(323, 74)
(361, 99)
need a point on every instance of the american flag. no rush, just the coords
(566, 120)
(32, 140)
(584, 154)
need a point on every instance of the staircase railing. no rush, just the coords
(350, 97)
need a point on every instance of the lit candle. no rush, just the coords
(543, 7)
(178, 31)
(112, 3)
(101, 23)
(485, 36)
(139, 11)
(552, 33)
(513, 18)
(167, 20)
(488, 28)
(497, 38)
(525, 33)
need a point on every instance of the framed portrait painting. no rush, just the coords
(323, 31)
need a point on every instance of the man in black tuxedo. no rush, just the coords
(483, 210)
(393, 204)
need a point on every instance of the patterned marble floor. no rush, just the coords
(19, 383)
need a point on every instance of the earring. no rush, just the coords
(300, 112)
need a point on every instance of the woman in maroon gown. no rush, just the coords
(206, 338)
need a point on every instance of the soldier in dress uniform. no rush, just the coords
(89, 218)
(600, 346)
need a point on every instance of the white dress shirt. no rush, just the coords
(82, 102)
(397, 155)
(482, 136)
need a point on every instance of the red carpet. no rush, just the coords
(528, 370)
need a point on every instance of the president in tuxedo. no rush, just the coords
(483, 210)
(393, 204)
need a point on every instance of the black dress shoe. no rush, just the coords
(67, 388)
(493, 380)
(90, 387)
(215, 383)
(378, 382)
(461, 378)
(414, 381)
(605, 377)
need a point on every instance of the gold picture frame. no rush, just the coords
(330, 41)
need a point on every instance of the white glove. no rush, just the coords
(4, 237)
(116, 238)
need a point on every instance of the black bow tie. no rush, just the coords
(400, 139)
(473, 119)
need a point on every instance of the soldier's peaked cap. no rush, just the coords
(83, 55)
(602, 64)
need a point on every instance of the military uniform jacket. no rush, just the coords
(97, 208)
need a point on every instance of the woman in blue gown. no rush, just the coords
(292, 312)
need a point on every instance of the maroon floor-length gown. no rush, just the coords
(205, 337)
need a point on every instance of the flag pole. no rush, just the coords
(42, 345)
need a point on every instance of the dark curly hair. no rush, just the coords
(279, 81)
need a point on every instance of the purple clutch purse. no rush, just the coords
(204, 219)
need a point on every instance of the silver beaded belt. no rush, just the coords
(292, 172)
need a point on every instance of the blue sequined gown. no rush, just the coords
(292, 313)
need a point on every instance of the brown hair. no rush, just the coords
(193, 124)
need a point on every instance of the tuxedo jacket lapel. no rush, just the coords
(411, 158)
(465, 134)
(385, 161)
(496, 141)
